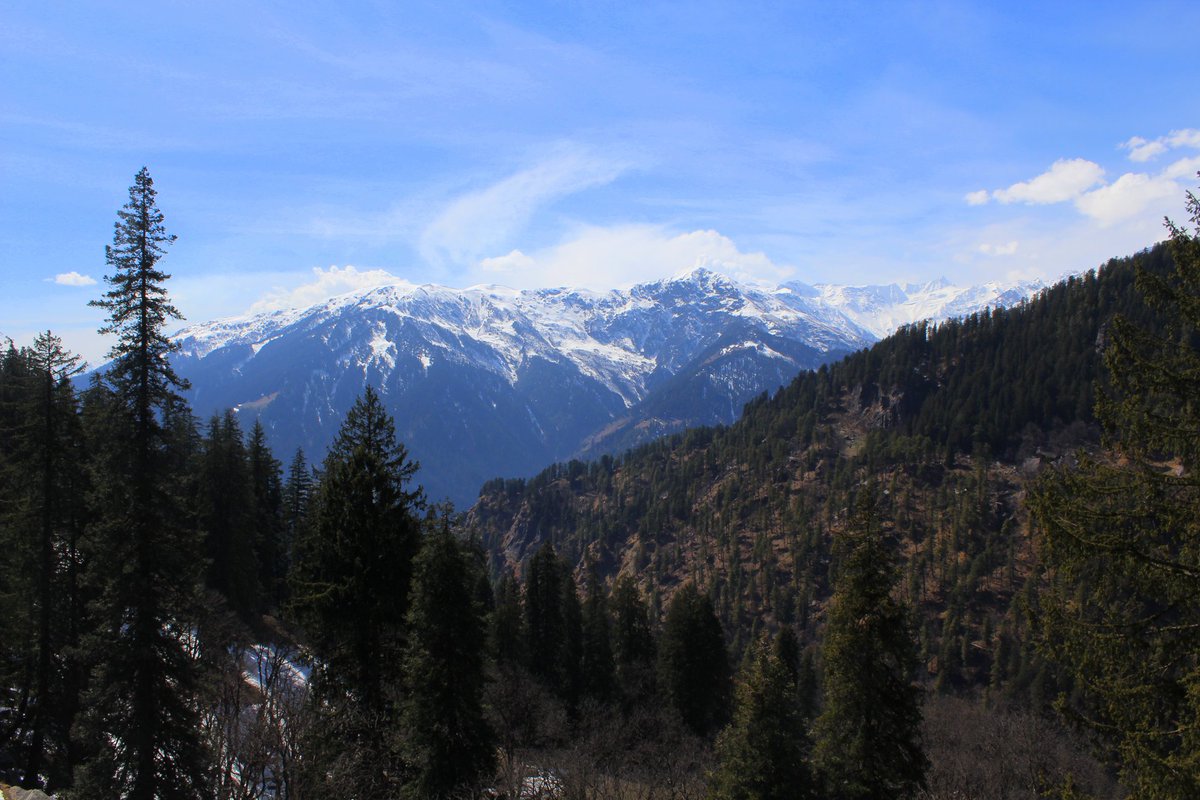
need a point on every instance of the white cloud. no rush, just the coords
(604, 258)
(1127, 196)
(1142, 150)
(1006, 249)
(1188, 137)
(977, 198)
(326, 283)
(1065, 180)
(1183, 168)
(486, 219)
(74, 279)
(514, 262)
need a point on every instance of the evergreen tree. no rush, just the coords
(350, 587)
(544, 623)
(298, 492)
(596, 664)
(1121, 541)
(633, 642)
(868, 737)
(507, 624)
(571, 654)
(693, 666)
(449, 744)
(267, 519)
(763, 754)
(53, 475)
(141, 728)
(41, 519)
(225, 515)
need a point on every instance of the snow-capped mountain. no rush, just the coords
(882, 309)
(489, 381)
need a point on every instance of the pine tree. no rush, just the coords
(141, 731)
(226, 515)
(267, 516)
(298, 492)
(868, 737)
(693, 666)
(633, 641)
(41, 520)
(763, 754)
(596, 664)
(449, 745)
(53, 473)
(350, 587)
(1121, 541)
(507, 623)
(570, 656)
(544, 623)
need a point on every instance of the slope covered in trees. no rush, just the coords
(948, 420)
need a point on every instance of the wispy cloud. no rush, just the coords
(73, 279)
(486, 219)
(1142, 150)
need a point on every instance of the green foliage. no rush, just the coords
(763, 754)
(868, 736)
(449, 745)
(597, 668)
(693, 667)
(507, 629)
(544, 621)
(634, 651)
(1121, 543)
(350, 587)
(267, 516)
(42, 518)
(140, 732)
(225, 514)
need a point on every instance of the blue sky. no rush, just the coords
(302, 148)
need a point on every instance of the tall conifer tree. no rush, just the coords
(350, 589)
(226, 515)
(298, 491)
(633, 641)
(763, 754)
(868, 737)
(597, 666)
(267, 516)
(449, 743)
(141, 729)
(53, 451)
(544, 623)
(693, 665)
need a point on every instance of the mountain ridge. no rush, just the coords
(507, 381)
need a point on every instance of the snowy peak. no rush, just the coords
(881, 309)
(489, 381)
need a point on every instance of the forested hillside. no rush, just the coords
(947, 421)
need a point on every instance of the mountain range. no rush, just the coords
(489, 381)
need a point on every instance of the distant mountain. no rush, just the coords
(489, 381)
(882, 309)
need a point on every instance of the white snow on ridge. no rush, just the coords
(616, 337)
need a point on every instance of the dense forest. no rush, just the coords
(975, 537)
